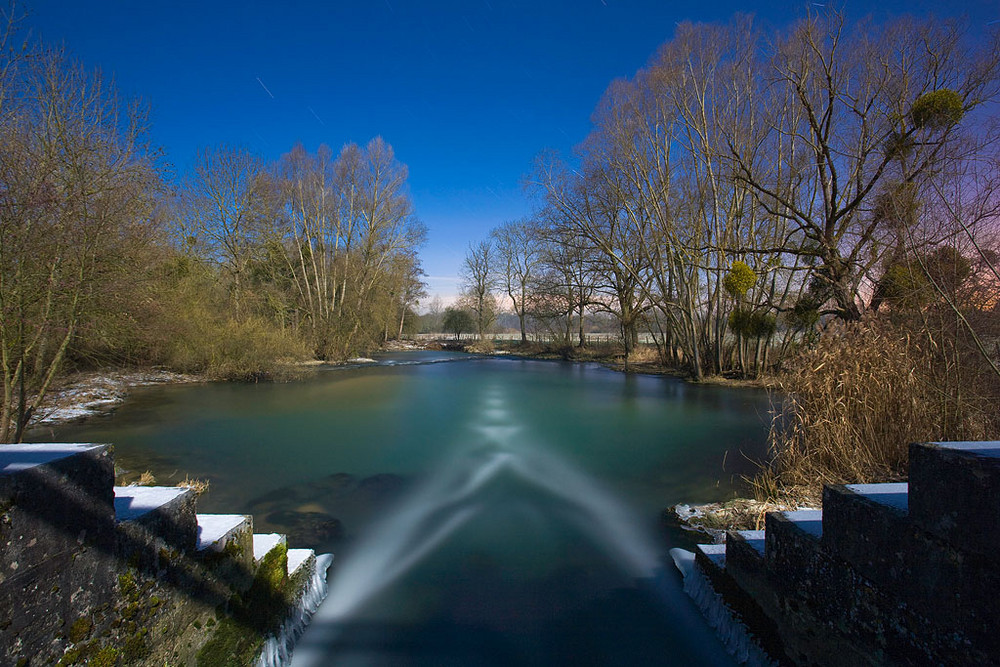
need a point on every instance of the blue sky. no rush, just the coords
(467, 92)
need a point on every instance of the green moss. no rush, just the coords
(260, 611)
(273, 568)
(106, 657)
(131, 610)
(127, 585)
(232, 645)
(80, 629)
(233, 549)
(135, 648)
(70, 657)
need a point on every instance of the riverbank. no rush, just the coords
(82, 395)
(714, 519)
(644, 360)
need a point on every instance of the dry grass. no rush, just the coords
(481, 346)
(644, 354)
(146, 479)
(199, 486)
(854, 402)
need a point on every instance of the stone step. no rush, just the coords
(263, 543)
(714, 554)
(68, 486)
(894, 495)
(297, 558)
(165, 513)
(745, 554)
(791, 536)
(869, 526)
(753, 538)
(57, 541)
(808, 521)
(217, 531)
(15, 459)
(953, 493)
(864, 524)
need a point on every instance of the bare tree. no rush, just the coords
(230, 205)
(853, 112)
(351, 240)
(517, 256)
(588, 209)
(315, 227)
(563, 287)
(479, 283)
(76, 188)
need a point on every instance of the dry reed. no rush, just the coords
(852, 403)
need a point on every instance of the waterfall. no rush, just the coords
(277, 650)
(731, 632)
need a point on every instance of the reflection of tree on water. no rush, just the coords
(321, 513)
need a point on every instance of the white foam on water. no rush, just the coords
(277, 650)
(731, 632)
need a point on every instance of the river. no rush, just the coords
(482, 510)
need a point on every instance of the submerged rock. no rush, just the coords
(318, 514)
(308, 527)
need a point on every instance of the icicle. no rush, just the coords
(731, 632)
(277, 650)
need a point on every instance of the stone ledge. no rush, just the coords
(953, 494)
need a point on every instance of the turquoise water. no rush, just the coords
(483, 511)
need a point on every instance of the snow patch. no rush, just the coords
(212, 528)
(15, 458)
(263, 543)
(133, 501)
(91, 394)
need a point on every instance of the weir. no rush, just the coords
(498, 465)
(528, 534)
(893, 573)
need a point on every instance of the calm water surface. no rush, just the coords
(483, 511)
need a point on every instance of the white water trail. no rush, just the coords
(453, 496)
(597, 512)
